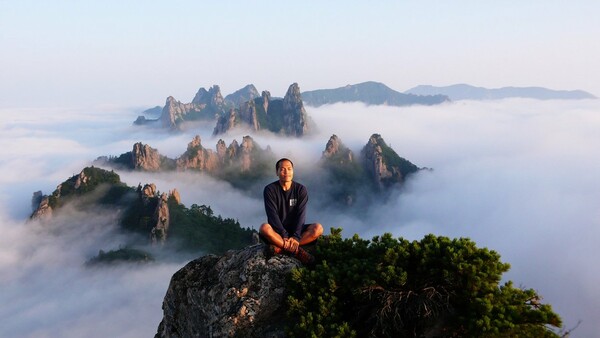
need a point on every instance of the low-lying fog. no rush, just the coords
(521, 177)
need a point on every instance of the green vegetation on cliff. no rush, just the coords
(88, 180)
(198, 229)
(194, 229)
(391, 287)
(126, 254)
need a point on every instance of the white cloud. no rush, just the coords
(516, 176)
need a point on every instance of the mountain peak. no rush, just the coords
(240, 96)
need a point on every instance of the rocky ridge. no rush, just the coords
(240, 157)
(246, 165)
(287, 117)
(91, 178)
(244, 109)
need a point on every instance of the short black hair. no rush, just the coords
(281, 160)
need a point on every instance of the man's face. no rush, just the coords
(285, 172)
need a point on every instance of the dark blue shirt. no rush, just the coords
(286, 210)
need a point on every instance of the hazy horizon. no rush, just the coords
(91, 54)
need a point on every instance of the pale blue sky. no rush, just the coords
(86, 53)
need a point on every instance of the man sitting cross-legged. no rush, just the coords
(285, 204)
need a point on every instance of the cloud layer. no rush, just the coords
(517, 176)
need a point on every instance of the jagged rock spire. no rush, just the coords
(294, 115)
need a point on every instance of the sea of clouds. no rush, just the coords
(521, 177)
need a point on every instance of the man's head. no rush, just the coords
(285, 170)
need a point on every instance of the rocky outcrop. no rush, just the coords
(373, 159)
(144, 157)
(160, 218)
(266, 97)
(248, 115)
(239, 294)
(335, 150)
(287, 116)
(198, 158)
(174, 113)
(226, 122)
(205, 105)
(245, 154)
(148, 192)
(159, 231)
(383, 164)
(245, 117)
(211, 98)
(237, 157)
(242, 156)
(175, 195)
(41, 207)
(294, 115)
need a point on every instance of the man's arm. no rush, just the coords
(272, 214)
(301, 212)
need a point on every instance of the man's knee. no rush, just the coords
(317, 229)
(264, 228)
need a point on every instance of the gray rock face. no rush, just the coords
(246, 117)
(161, 217)
(226, 122)
(158, 233)
(212, 97)
(287, 116)
(199, 158)
(239, 294)
(383, 163)
(145, 157)
(246, 149)
(236, 156)
(266, 97)
(174, 112)
(294, 118)
(245, 94)
(43, 211)
(336, 150)
(374, 163)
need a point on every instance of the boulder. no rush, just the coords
(239, 294)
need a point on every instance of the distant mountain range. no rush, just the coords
(251, 111)
(370, 93)
(467, 92)
(245, 109)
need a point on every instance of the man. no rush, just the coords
(285, 204)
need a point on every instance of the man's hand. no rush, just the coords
(290, 245)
